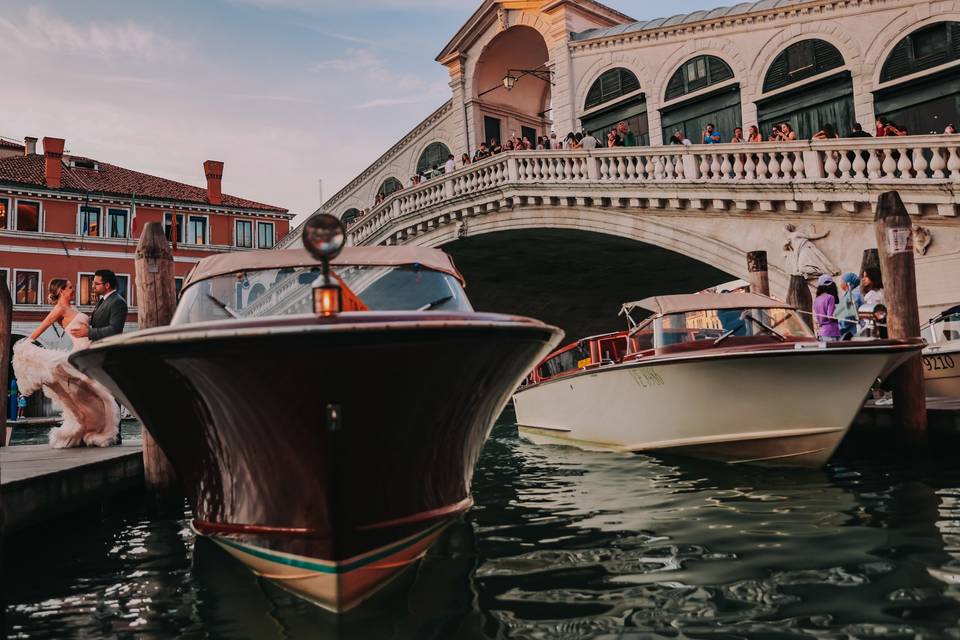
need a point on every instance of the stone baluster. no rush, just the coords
(874, 165)
(904, 166)
(889, 164)
(621, 169)
(738, 165)
(774, 166)
(604, 168)
(953, 164)
(750, 168)
(593, 168)
(657, 167)
(937, 163)
(787, 167)
(799, 168)
(830, 165)
(705, 166)
(762, 168)
(679, 167)
(920, 163)
(668, 172)
(725, 167)
(859, 165)
(513, 169)
(570, 168)
(845, 165)
(648, 168)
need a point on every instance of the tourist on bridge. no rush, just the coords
(827, 132)
(451, 165)
(824, 309)
(589, 142)
(614, 139)
(464, 159)
(628, 137)
(858, 132)
(871, 284)
(784, 133)
(710, 135)
(737, 136)
(950, 129)
(848, 304)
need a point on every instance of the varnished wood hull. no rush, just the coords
(242, 410)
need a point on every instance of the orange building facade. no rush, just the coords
(64, 216)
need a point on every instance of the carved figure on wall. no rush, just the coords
(803, 256)
(502, 18)
(922, 239)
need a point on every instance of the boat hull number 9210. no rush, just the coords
(938, 363)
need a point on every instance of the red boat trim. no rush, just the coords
(205, 527)
(463, 505)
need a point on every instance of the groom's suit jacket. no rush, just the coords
(108, 317)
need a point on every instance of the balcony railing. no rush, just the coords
(920, 161)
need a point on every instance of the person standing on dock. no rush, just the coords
(824, 307)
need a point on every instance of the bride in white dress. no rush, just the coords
(90, 414)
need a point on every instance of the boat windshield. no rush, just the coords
(721, 326)
(272, 292)
(944, 328)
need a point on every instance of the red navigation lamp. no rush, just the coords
(323, 238)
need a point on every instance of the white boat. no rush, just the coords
(941, 357)
(734, 377)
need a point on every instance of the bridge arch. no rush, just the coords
(501, 109)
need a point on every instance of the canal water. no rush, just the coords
(561, 544)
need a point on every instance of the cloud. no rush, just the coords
(44, 30)
(354, 60)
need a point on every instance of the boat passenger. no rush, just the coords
(871, 284)
(824, 308)
(850, 301)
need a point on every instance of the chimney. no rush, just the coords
(52, 157)
(214, 172)
(29, 146)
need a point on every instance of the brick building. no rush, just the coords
(65, 216)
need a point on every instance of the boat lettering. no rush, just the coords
(938, 363)
(647, 378)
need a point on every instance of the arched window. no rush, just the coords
(611, 85)
(349, 215)
(801, 60)
(435, 155)
(915, 101)
(697, 73)
(255, 292)
(923, 49)
(389, 186)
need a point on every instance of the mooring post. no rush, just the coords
(895, 242)
(798, 295)
(156, 302)
(757, 268)
(6, 330)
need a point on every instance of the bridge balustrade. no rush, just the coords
(929, 161)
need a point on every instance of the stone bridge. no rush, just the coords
(568, 235)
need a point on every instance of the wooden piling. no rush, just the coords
(798, 295)
(156, 302)
(895, 242)
(757, 268)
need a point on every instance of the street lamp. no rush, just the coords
(509, 81)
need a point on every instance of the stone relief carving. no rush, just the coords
(922, 239)
(502, 18)
(802, 256)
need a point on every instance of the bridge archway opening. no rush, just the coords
(828, 100)
(720, 106)
(918, 93)
(500, 112)
(616, 97)
(570, 278)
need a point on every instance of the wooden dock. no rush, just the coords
(39, 484)
(943, 416)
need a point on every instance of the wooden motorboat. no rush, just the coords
(325, 441)
(941, 356)
(735, 377)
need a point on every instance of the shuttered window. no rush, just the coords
(349, 215)
(923, 49)
(801, 60)
(696, 74)
(611, 85)
(389, 186)
(433, 157)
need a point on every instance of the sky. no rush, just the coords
(285, 92)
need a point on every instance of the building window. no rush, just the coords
(123, 287)
(85, 294)
(698, 73)
(28, 215)
(88, 223)
(168, 223)
(118, 223)
(4, 213)
(27, 287)
(611, 85)
(177, 286)
(433, 157)
(390, 185)
(197, 230)
(265, 235)
(4, 274)
(800, 57)
(243, 234)
(930, 41)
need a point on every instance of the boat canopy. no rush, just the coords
(685, 302)
(378, 256)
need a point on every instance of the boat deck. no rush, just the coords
(38, 484)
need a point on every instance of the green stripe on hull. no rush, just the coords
(347, 567)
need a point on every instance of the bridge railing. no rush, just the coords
(894, 160)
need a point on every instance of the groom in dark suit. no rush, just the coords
(110, 314)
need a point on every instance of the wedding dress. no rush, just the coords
(90, 414)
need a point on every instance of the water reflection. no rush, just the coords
(562, 544)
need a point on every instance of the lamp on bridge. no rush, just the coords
(510, 80)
